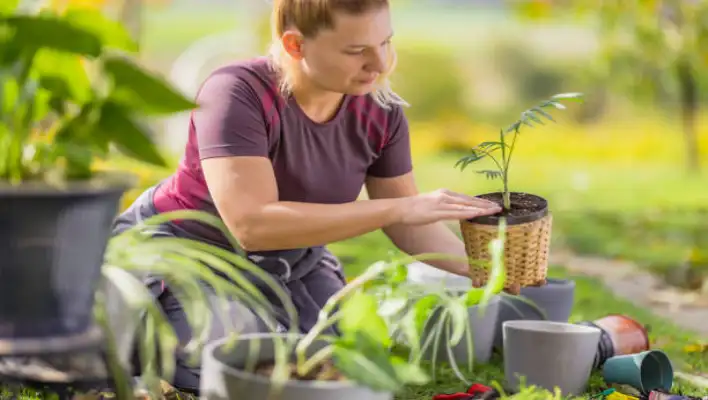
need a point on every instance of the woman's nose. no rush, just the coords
(377, 61)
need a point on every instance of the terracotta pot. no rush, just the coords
(620, 335)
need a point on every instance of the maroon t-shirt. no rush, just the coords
(241, 113)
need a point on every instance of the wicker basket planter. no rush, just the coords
(527, 243)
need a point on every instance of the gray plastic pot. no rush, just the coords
(223, 376)
(552, 302)
(549, 355)
(482, 327)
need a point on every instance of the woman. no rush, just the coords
(281, 146)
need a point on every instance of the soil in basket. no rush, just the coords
(324, 372)
(522, 204)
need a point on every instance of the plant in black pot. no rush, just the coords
(67, 99)
(529, 219)
(350, 353)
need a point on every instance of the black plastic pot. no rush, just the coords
(52, 243)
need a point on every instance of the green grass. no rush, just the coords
(592, 302)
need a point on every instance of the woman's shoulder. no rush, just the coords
(249, 83)
(255, 74)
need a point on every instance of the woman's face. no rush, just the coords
(348, 58)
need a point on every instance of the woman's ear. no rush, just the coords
(292, 43)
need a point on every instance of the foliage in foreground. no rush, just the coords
(69, 94)
(368, 312)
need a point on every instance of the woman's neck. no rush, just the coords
(318, 104)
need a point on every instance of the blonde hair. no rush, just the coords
(309, 17)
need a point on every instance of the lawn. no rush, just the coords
(592, 301)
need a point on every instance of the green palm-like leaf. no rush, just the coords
(491, 174)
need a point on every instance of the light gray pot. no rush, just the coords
(549, 355)
(223, 376)
(482, 328)
(123, 321)
(552, 301)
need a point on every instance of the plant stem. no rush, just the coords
(320, 356)
(505, 179)
(323, 320)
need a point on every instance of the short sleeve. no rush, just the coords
(229, 120)
(395, 158)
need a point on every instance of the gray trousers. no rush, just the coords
(309, 276)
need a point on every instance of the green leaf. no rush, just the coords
(474, 155)
(9, 93)
(366, 362)
(567, 96)
(410, 330)
(360, 315)
(112, 33)
(557, 105)
(42, 104)
(422, 310)
(530, 115)
(544, 113)
(54, 33)
(409, 374)
(392, 306)
(497, 276)
(396, 275)
(56, 86)
(116, 125)
(473, 296)
(459, 319)
(490, 174)
(486, 145)
(8, 7)
(513, 127)
(79, 160)
(54, 66)
(138, 89)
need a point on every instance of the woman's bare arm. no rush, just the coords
(428, 238)
(245, 193)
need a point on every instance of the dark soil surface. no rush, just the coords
(522, 204)
(525, 207)
(323, 372)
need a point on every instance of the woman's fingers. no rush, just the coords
(470, 200)
(461, 211)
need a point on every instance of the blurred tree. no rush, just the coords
(431, 80)
(130, 12)
(131, 15)
(652, 49)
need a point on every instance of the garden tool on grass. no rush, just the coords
(475, 392)
(663, 395)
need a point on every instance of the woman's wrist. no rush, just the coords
(395, 210)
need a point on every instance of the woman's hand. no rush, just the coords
(442, 205)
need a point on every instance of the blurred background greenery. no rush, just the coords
(622, 171)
